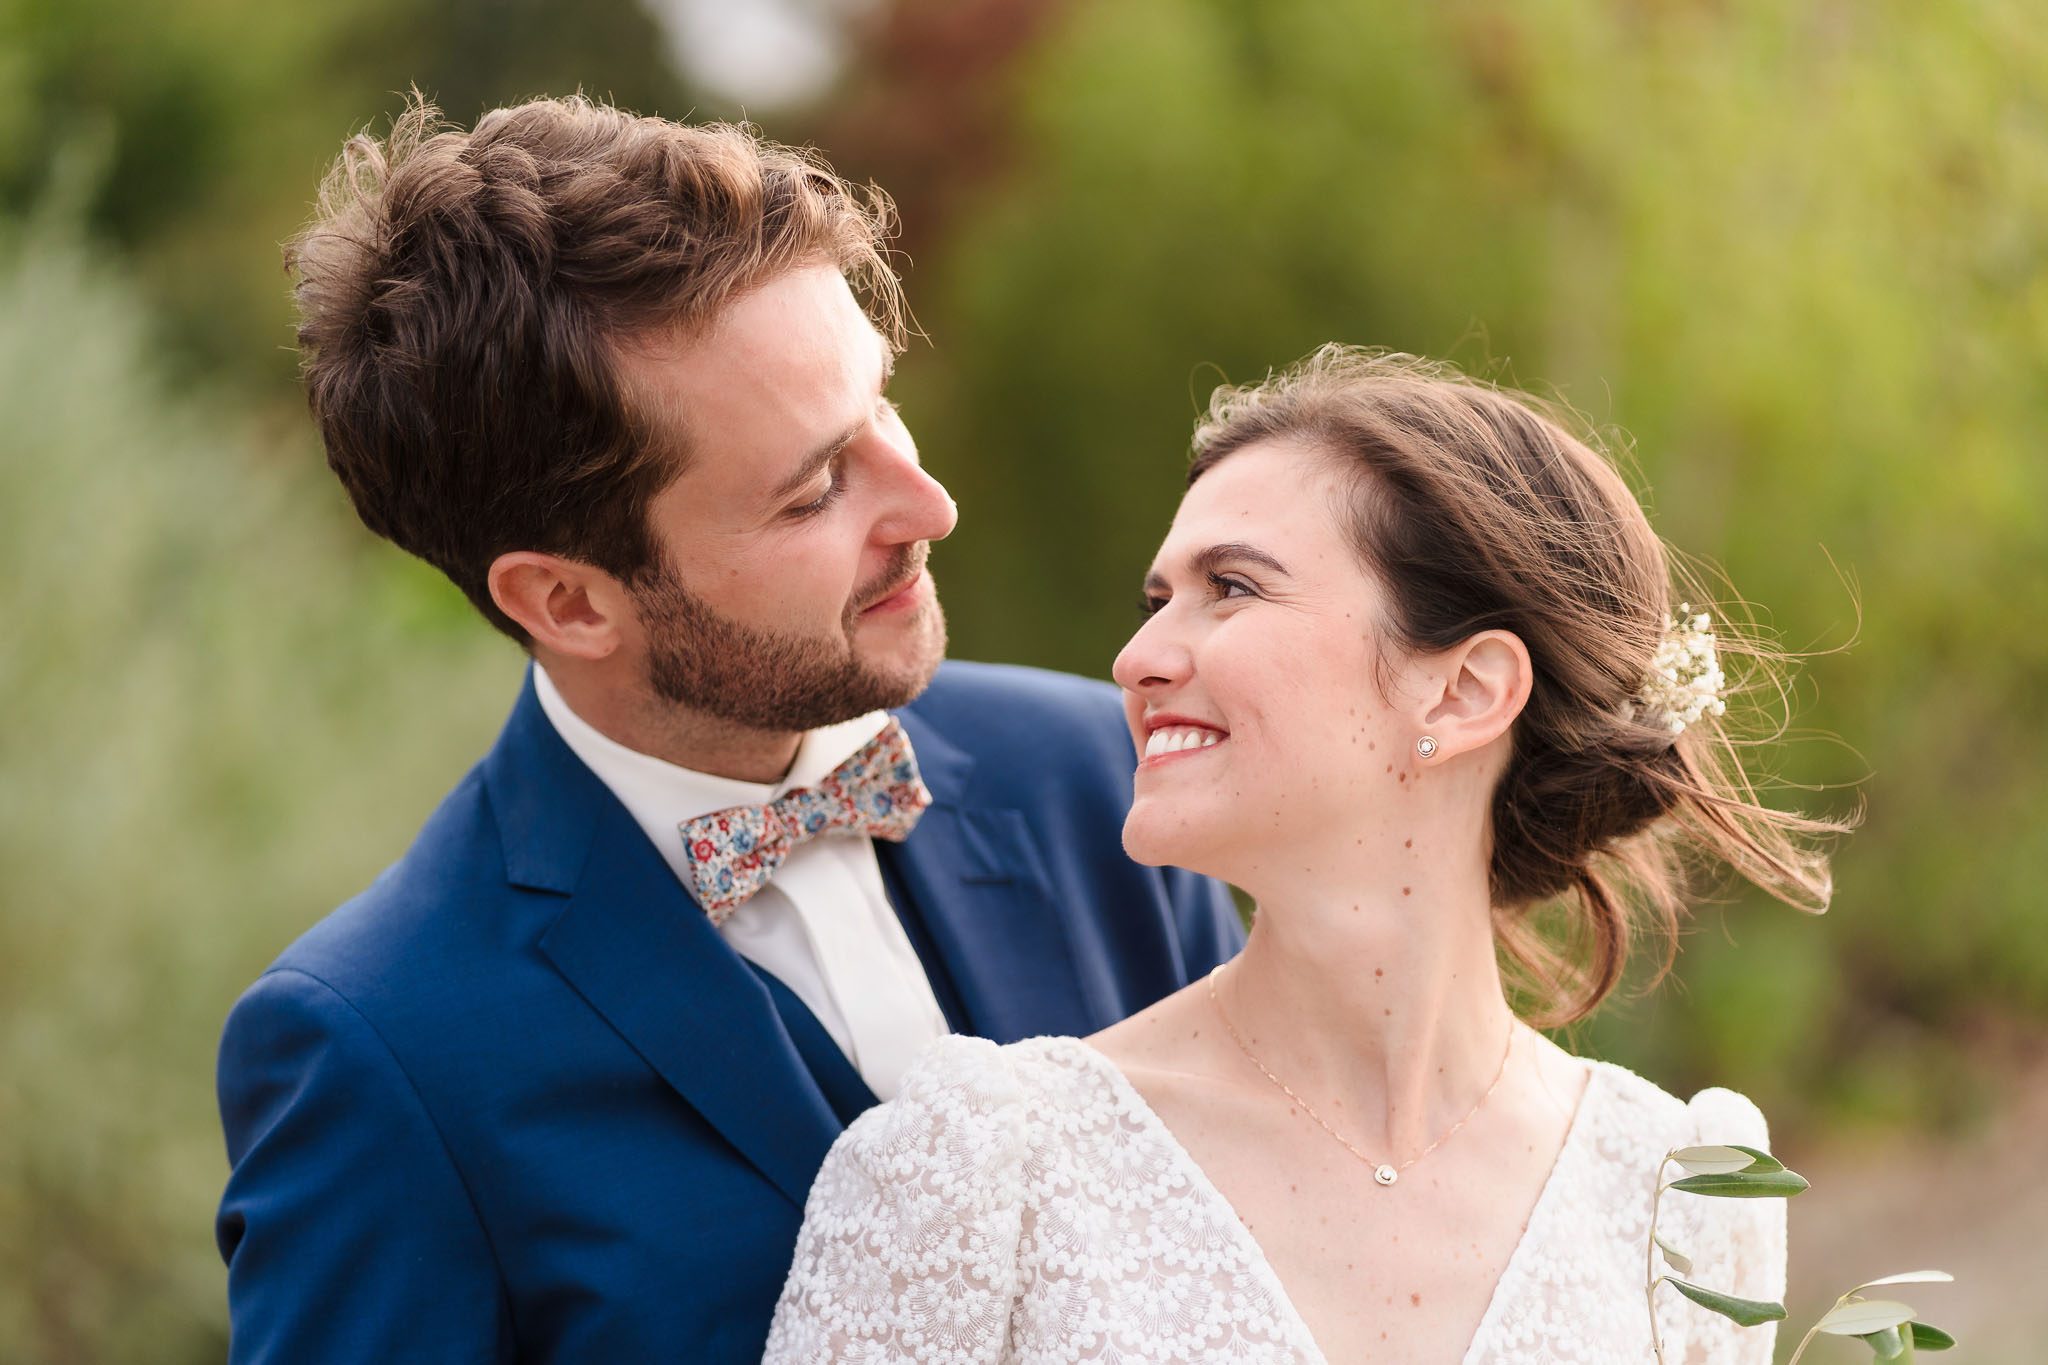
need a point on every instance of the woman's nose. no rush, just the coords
(1152, 658)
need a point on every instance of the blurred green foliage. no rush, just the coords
(218, 116)
(217, 727)
(1799, 253)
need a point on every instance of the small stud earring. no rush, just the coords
(1426, 746)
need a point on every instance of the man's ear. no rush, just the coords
(1486, 682)
(565, 607)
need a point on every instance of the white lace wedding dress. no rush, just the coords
(1024, 1204)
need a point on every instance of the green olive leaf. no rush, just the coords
(1761, 1162)
(1908, 1277)
(1779, 1184)
(1861, 1317)
(1746, 1312)
(1713, 1160)
(1928, 1338)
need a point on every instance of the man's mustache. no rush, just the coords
(900, 574)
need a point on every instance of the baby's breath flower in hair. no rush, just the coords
(1685, 679)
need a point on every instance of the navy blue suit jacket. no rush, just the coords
(519, 1102)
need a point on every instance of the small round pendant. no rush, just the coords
(1386, 1175)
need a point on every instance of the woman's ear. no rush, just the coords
(1486, 682)
(565, 608)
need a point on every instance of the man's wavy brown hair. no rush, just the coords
(463, 296)
(1480, 509)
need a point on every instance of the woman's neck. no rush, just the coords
(1377, 999)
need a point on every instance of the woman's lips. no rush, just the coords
(1168, 742)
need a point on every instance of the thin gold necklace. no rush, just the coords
(1381, 1171)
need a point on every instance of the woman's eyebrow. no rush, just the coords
(1213, 558)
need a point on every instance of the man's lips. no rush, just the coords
(898, 597)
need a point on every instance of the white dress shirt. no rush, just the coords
(823, 925)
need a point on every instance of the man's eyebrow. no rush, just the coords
(808, 468)
(1214, 558)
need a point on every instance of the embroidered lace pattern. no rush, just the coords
(1023, 1204)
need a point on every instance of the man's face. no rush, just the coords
(794, 592)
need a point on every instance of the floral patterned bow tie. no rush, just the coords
(734, 852)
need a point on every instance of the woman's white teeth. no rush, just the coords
(1175, 738)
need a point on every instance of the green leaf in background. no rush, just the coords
(1860, 1317)
(1928, 1338)
(1888, 1344)
(1779, 1184)
(1678, 1261)
(1746, 1312)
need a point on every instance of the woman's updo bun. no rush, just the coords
(1480, 509)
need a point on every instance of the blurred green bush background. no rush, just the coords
(1794, 256)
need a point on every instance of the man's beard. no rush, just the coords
(775, 680)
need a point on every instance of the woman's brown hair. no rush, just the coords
(1480, 509)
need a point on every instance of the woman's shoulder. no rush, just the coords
(1637, 1112)
(961, 1061)
(966, 1083)
(971, 1124)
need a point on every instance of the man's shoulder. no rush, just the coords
(401, 919)
(1041, 737)
(968, 698)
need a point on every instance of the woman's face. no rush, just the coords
(1252, 688)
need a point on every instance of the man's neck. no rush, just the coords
(676, 734)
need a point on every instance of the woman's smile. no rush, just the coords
(1172, 737)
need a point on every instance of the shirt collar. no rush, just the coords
(660, 795)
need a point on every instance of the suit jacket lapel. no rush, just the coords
(982, 892)
(640, 951)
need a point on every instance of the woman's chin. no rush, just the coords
(1158, 838)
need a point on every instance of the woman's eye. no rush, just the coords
(1149, 605)
(1227, 586)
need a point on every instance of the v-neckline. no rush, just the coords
(1135, 1103)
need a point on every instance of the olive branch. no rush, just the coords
(1891, 1329)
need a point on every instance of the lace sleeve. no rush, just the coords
(1737, 1246)
(909, 1245)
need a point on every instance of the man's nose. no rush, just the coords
(918, 507)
